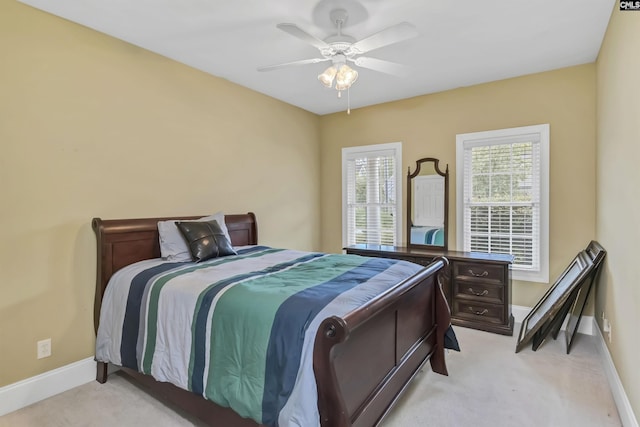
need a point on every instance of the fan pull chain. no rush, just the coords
(348, 99)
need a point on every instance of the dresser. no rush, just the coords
(477, 285)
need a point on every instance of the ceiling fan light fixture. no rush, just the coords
(345, 77)
(327, 76)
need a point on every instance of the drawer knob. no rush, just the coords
(479, 294)
(478, 313)
(483, 274)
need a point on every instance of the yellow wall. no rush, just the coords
(92, 126)
(618, 207)
(427, 126)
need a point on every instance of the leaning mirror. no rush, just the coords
(427, 205)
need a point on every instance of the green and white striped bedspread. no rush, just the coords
(238, 330)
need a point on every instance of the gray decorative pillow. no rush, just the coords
(206, 239)
(173, 247)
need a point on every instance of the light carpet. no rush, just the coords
(488, 385)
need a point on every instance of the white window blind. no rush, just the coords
(503, 206)
(371, 194)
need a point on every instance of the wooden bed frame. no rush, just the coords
(362, 361)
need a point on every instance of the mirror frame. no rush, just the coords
(410, 176)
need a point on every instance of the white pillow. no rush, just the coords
(173, 247)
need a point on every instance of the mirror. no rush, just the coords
(427, 205)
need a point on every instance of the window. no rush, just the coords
(372, 194)
(503, 196)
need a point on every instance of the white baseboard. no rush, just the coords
(625, 410)
(34, 389)
(586, 322)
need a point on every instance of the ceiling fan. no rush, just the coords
(341, 48)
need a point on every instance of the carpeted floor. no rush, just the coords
(488, 386)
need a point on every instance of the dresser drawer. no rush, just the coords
(478, 311)
(487, 273)
(482, 292)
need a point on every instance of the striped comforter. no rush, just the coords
(238, 330)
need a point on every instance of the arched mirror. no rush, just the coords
(427, 205)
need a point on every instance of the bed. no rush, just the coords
(361, 360)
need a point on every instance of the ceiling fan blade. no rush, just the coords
(383, 66)
(394, 34)
(298, 32)
(293, 64)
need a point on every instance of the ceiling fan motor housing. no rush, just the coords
(337, 47)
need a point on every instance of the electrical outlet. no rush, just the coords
(44, 348)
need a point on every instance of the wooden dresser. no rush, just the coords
(477, 285)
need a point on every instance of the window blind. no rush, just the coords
(371, 197)
(501, 198)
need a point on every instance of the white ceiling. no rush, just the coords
(460, 43)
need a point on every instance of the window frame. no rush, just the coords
(348, 152)
(475, 139)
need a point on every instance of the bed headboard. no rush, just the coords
(124, 241)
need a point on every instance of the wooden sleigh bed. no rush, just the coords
(362, 361)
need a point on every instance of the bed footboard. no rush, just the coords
(364, 360)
